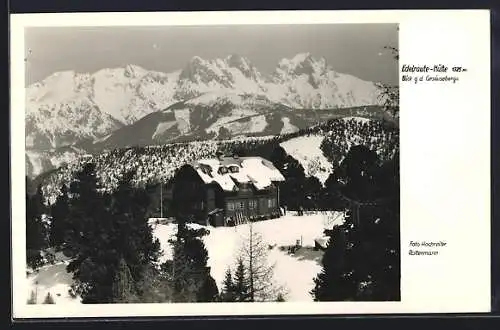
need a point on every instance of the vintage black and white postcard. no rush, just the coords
(250, 163)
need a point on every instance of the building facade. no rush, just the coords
(226, 191)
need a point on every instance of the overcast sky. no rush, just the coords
(356, 49)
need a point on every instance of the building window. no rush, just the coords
(211, 193)
(241, 205)
(271, 203)
(234, 169)
(223, 170)
(252, 204)
(230, 206)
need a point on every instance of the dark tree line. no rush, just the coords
(114, 256)
(37, 228)
(107, 237)
(362, 258)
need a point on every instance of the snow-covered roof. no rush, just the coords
(228, 172)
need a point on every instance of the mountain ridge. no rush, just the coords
(125, 94)
(87, 109)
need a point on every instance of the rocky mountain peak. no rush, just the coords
(302, 63)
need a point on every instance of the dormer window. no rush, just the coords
(206, 169)
(223, 170)
(234, 169)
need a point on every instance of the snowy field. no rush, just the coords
(54, 279)
(294, 273)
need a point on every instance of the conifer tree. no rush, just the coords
(104, 228)
(293, 190)
(183, 285)
(208, 291)
(280, 298)
(59, 213)
(123, 285)
(331, 283)
(190, 275)
(36, 231)
(93, 265)
(132, 234)
(361, 261)
(30, 186)
(227, 291)
(330, 194)
(241, 286)
(152, 287)
(49, 299)
(228, 284)
(32, 299)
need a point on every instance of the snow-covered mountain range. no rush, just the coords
(134, 106)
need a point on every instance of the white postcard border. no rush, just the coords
(436, 172)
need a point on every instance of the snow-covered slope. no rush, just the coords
(294, 272)
(304, 269)
(205, 117)
(67, 107)
(53, 279)
(306, 149)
